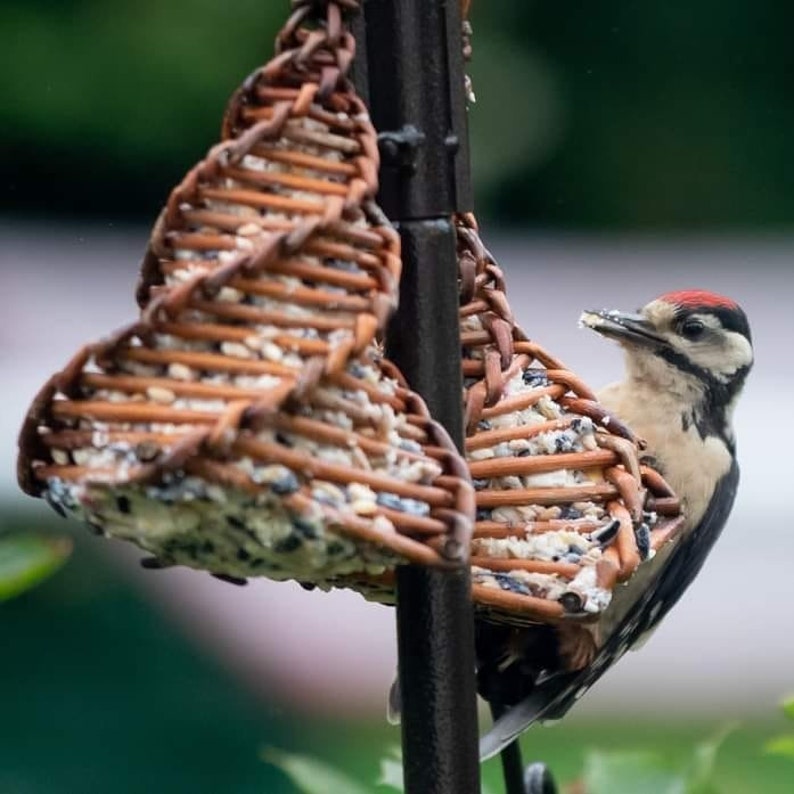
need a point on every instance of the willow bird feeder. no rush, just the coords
(565, 509)
(246, 423)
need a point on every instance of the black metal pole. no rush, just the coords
(415, 84)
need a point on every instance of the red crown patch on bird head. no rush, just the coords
(698, 298)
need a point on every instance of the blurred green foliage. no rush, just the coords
(783, 745)
(675, 114)
(105, 105)
(615, 771)
(311, 776)
(26, 560)
(640, 757)
(602, 115)
(99, 693)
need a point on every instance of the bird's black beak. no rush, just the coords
(622, 327)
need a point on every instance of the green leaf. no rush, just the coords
(310, 775)
(26, 560)
(629, 773)
(391, 773)
(781, 745)
(788, 706)
(701, 769)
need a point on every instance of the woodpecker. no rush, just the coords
(687, 356)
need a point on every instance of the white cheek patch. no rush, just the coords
(726, 359)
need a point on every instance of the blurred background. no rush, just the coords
(620, 149)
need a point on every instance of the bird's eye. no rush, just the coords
(692, 329)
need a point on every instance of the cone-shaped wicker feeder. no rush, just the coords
(246, 423)
(565, 510)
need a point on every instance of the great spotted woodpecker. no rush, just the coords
(687, 357)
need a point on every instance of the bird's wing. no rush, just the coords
(552, 699)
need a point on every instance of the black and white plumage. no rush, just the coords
(687, 357)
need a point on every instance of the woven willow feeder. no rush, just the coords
(246, 423)
(565, 510)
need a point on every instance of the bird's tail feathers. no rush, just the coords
(510, 726)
